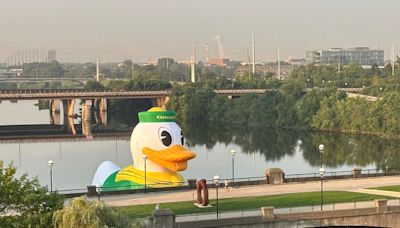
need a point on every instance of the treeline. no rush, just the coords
(325, 109)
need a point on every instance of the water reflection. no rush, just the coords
(274, 144)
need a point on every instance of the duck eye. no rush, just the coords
(182, 140)
(166, 138)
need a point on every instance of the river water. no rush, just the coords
(257, 149)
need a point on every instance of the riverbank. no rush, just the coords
(259, 190)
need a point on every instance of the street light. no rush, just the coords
(233, 152)
(216, 181)
(145, 173)
(321, 152)
(321, 173)
(51, 163)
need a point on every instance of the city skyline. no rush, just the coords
(147, 30)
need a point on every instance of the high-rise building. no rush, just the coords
(51, 56)
(339, 56)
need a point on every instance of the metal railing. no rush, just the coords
(156, 186)
(56, 93)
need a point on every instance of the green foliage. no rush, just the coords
(87, 70)
(393, 188)
(23, 202)
(82, 213)
(94, 85)
(43, 70)
(326, 109)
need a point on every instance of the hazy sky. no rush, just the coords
(141, 30)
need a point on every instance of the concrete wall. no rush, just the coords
(357, 217)
(372, 217)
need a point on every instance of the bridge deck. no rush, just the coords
(91, 94)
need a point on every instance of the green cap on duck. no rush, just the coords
(156, 114)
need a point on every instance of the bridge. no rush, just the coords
(41, 79)
(93, 94)
(98, 99)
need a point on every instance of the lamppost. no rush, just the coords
(321, 173)
(233, 152)
(51, 163)
(321, 152)
(216, 181)
(145, 173)
(98, 190)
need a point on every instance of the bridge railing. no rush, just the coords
(78, 93)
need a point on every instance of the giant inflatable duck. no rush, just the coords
(157, 152)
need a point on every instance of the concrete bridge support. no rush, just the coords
(69, 125)
(100, 104)
(103, 104)
(54, 105)
(102, 119)
(160, 102)
(55, 117)
(87, 119)
(68, 106)
(54, 109)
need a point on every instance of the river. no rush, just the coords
(256, 149)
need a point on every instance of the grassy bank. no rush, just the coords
(246, 203)
(394, 188)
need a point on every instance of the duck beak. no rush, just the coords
(173, 158)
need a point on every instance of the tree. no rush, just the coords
(82, 213)
(94, 85)
(23, 202)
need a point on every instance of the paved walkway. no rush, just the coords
(356, 185)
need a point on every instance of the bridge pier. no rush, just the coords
(55, 117)
(87, 119)
(160, 102)
(102, 117)
(54, 105)
(68, 106)
(69, 125)
(103, 104)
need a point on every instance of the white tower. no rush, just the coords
(254, 53)
(97, 70)
(207, 53)
(193, 65)
(279, 65)
(393, 60)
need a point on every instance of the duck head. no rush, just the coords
(158, 138)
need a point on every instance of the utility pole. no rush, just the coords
(248, 61)
(392, 60)
(254, 53)
(97, 70)
(193, 66)
(279, 65)
(133, 71)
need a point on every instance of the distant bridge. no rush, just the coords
(90, 94)
(19, 80)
